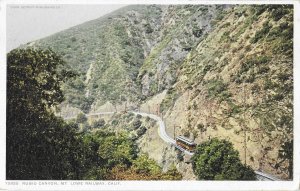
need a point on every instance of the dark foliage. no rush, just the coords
(39, 145)
(217, 160)
(286, 153)
(261, 33)
(99, 123)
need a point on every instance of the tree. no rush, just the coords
(217, 160)
(85, 104)
(81, 118)
(141, 131)
(115, 149)
(99, 123)
(143, 164)
(38, 144)
(136, 124)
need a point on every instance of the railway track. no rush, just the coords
(265, 177)
(166, 138)
(163, 135)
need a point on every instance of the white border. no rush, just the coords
(2, 91)
(150, 185)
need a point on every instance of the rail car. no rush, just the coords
(185, 143)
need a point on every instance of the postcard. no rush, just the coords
(149, 95)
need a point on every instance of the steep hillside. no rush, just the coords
(106, 52)
(208, 70)
(130, 54)
(238, 84)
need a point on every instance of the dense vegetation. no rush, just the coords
(39, 145)
(42, 146)
(115, 157)
(217, 160)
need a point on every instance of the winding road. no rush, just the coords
(166, 138)
(162, 131)
(92, 114)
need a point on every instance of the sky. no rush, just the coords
(26, 23)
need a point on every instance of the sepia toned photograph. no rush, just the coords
(150, 92)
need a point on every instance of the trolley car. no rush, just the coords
(185, 143)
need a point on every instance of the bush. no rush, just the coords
(234, 109)
(143, 164)
(85, 103)
(81, 118)
(261, 33)
(227, 24)
(186, 134)
(278, 97)
(250, 78)
(201, 127)
(255, 88)
(259, 9)
(141, 131)
(254, 61)
(278, 11)
(147, 119)
(99, 123)
(195, 106)
(197, 32)
(217, 88)
(136, 124)
(148, 28)
(115, 122)
(73, 39)
(284, 30)
(283, 76)
(287, 31)
(263, 69)
(268, 84)
(225, 37)
(217, 160)
(248, 48)
(169, 100)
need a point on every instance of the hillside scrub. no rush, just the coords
(244, 70)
